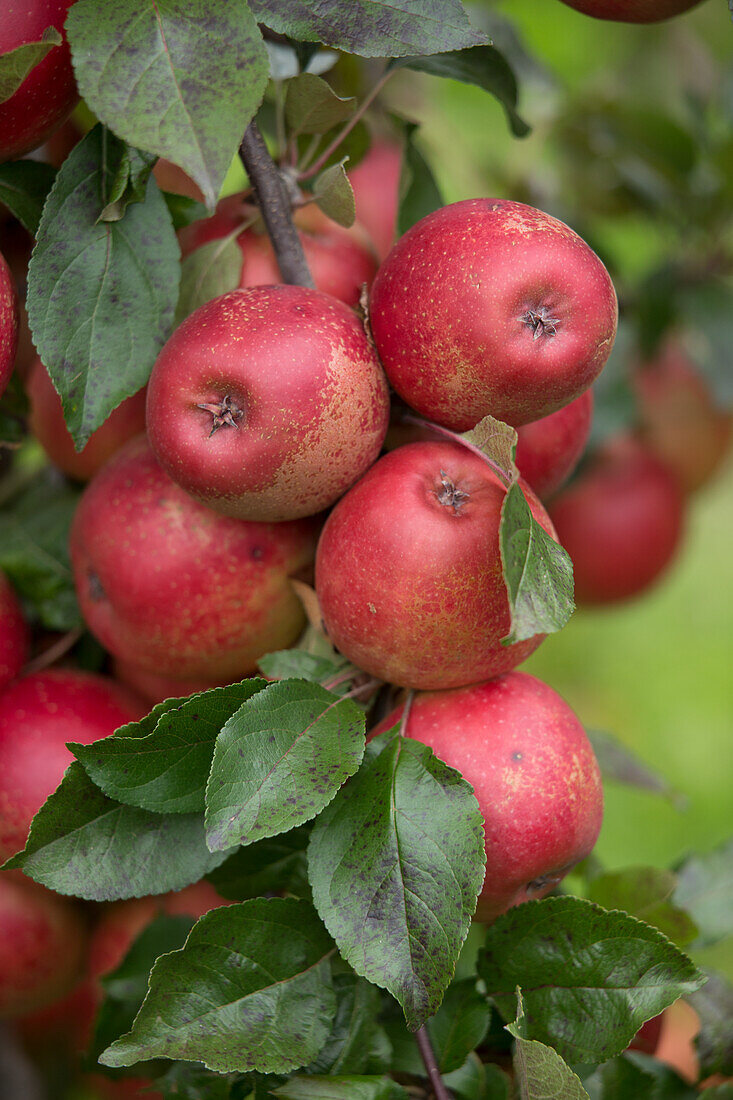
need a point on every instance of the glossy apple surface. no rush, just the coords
(621, 522)
(491, 307)
(632, 11)
(408, 570)
(548, 450)
(533, 771)
(268, 403)
(8, 324)
(14, 633)
(340, 260)
(376, 184)
(49, 427)
(38, 715)
(171, 586)
(154, 688)
(48, 93)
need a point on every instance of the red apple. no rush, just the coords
(679, 420)
(632, 11)
(647, 1037)
(38, 715)
(376, 184)
(8, 323)
(41, 948)
(341, 260)
(268, 403)
(168, 585)
(49, 427)
(409, 574)
(14, 633)
(66, 1024)
(621, 522)
(146, 683)
(548, 450)
(491, 307)
(48, 93)
(533, 771)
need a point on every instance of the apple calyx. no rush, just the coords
(450, 495)
(540, 322)
(224, 413)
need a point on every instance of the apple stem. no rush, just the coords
(431, 1066)
(54, 652)
(406, 713)
(269, 193)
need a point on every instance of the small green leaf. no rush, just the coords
(85, 844)
(14, 409)
(476, 1080)
(372, 28)
(212, 269)
(341, 1088)
(101, 295)
(541, 1074)
(705, 890)
(183, 210)
(178, 78)
(297, 664)
(589, 977)
(419, 193)
(396, 863)
(537, 571)
(334, 195)
(459, 1025)
(165, 769)
(312, 106)
(24, 187)
(498, 441)
(279, 760)
(356, 1036)
(619, 764)
(194, 1082)
(250, 989)
(129, 184)
(16, 64)
(272, 866)
(645, 892)
(714, 1042)
(483, 66)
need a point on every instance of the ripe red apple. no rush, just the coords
(49, 427)
(533, 771)
(620, 521)
(42, 945)
(678, 418)
(176, 589)
(154, 688)
(341, 260)
(48, 93)
(376, 184)
(632, 11)
(491, 307)
(14, 633)
(408, 570)
(8, 322)
(268, 403)
(548, 450)
(38, 715)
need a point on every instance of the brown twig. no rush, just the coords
(54, 652)
(431, 1066)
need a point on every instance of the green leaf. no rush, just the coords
(477, 1081)
(178, 78)
(298, 664)
(341, 1088)
(14, 410)
(589, 977)
(537, 570)
(194, 1082)
(279, 760)
(459, 1025)
(708, 309)
(483, 66)
(645, 893)
(312, 106)
(129, 184)
(334, 195)
(272, 866)
(165, 769)
(212, 269)
(541, 1074)
(356, 1035)
(498, 442)
(619, 764)
(636, 1076)
(126, 986)
(16, 64)
(24, 187)
(101, 296)
(705, 890)
(372, 28)
(250, 989)
(419, 193)
(714, 1042)
(183, 210)
(396, 863)
(34, 550)
(85, 844)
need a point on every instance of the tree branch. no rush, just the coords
(431, 1066)
(269, 193)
